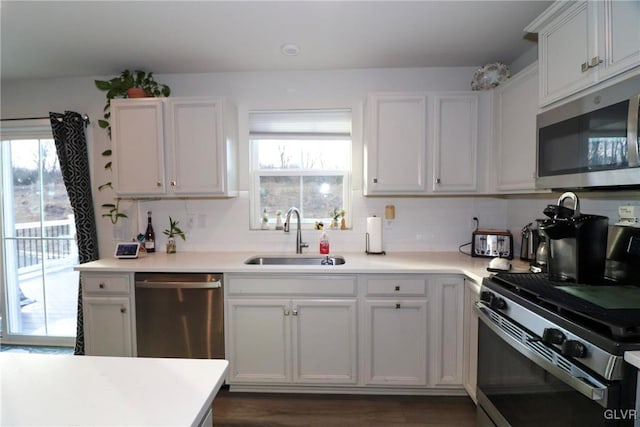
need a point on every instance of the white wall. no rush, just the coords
(429, 223)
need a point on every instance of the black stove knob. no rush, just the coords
(498, 303)
(574, 348)
(553, 336)
(486, 296)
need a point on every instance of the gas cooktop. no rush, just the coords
(610, 310)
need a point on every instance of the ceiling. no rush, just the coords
(43, 39)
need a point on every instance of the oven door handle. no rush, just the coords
(584, 383)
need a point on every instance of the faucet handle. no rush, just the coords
(304, 245)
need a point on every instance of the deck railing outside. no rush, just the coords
(56, 245)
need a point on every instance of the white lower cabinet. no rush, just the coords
(107, 315)
(470, 372)
(446, 331)
(401, 332)
(311, 339)
(395, 330)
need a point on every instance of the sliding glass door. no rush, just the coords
(39, 292)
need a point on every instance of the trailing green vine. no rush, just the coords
(118, 87)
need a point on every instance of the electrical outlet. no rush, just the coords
(191, 220)
(474, 223)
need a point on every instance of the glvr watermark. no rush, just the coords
(621, 414)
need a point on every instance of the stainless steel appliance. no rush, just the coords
(592, 141)
(492, 243)
(529, 242)
(552, 353)
(179, 315)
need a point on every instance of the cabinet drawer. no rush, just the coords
(106, 284)
(393, 286)
(296, 285)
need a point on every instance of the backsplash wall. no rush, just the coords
(421, 224)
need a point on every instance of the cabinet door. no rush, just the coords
(395, 342)
(446, 297)
(564, 46)
(621, 20)
(395, 144)
(324, 341)
(107, 326)
(195, 145)
(455, 143)
(470, 368)
(137, 136)
(258, 341)
(514, 153)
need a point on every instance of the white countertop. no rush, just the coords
(233, 262)
(62, 390)
(633, 358)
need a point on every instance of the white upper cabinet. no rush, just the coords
(455, 143)
(514, 135)
(582, 43)
(137, 139)
(395, 148)
(174, 147)
(408, 131)
(621, 22)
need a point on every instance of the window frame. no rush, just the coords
(256, 173)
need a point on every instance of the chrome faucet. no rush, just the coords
(299, 243)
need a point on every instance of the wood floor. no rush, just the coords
(251, 409)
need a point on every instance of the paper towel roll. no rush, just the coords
(374, 233)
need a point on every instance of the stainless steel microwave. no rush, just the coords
(591, 142)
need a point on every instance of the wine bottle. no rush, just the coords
(149, 235)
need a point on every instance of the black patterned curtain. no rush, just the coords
(71, 146)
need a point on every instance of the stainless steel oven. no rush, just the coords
(539, 364)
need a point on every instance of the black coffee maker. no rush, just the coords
(576, 243)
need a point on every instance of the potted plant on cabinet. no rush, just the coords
(124, 86)
(138, 84)
(171, 232)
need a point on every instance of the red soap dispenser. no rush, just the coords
(324, 243)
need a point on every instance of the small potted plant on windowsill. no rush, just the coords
(171, 232)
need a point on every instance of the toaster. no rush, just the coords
(492, 243)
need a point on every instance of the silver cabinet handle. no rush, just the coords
(584, 67)
(438, 180)
(173, 183)
(294, 312)
(595, 61)
(286, 312)
(101, 285)
(158, 184)
(397, 289)
(123, 310)
(398, 305)
(375, 180)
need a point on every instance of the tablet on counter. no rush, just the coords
(127, 250)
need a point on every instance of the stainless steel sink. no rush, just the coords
(296, 260)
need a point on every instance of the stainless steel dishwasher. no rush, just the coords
(179, 315)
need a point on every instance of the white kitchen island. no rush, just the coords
(60, 390)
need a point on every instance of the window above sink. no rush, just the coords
(300, 158)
